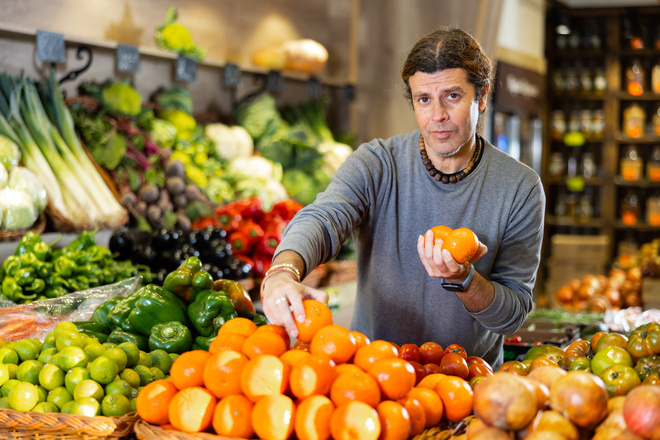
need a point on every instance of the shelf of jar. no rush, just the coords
(639, 183)
(642, 227)
(646, 96)
(649, 51)
(562, 180)
(577, 53)
(588, 139)
(572, 222)
(577, 96)
(644, 139)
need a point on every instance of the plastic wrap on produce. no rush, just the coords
(627, 320)
(37, 319)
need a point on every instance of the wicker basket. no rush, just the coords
(52, 426)
(147, 431)
(16, 234)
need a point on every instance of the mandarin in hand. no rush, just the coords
(462, 244)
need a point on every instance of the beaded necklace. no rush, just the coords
(454, 177)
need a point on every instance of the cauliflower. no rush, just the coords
(230, 142)
(121, 98)
(175, 37)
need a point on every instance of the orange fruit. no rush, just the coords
(265, 342)
(432, 404)
(264, 375)
(360, 339)
(457, 397)
(227, 341)
(153, 401)
(272, 417)
(240, 325)
(312, 420)
(441, 232)
(222, 373)
(294, 357)
(348, 368)
(191, 409)
(233, 417)
(278, 330)
(416, 412)
(317, 316)
(313, 375)
(334, 341)
(430, 380)
(462, 243)
(378, 349)
(188, 369)
(355, 420)
(355, 386)
(394, 420)
(395, 377)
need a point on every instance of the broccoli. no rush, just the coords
(121, 98)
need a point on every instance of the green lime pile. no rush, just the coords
(73, 373)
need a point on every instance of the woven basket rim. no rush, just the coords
(146, 431)
(39, 226)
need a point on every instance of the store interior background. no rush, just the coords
(367, 42)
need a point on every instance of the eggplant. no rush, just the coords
(122, 242)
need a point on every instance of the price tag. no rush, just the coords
(231, 76)
(128, 58)
(313, 88)
(186, 69)
(275, 81)
(50, 47)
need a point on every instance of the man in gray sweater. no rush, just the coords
(390, 192)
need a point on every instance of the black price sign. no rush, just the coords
(50, 47)
(231, 75)
(186, 69)
(275, 81)
(313, 88)
(128, 58)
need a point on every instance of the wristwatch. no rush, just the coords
(458, 287)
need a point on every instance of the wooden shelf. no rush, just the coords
(558, 221)
(641, 183)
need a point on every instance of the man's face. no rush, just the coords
(446, 110)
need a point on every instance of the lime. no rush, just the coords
(109, 345)
(45, 407)
(134, 392)
(64, 326)
(8, 355)
(157, 372)
(174, 356)
(29, 371)
(47, 354)
(69, 339)
(94, 350)
(146, 376)
(12, 370)
(133, 404)
(88, 388)
(74, 377)
(118, 355)
(7, 386)
(49, 341)
(115, 405)
(43, 392)
(51, 376)
(103, 370)
(144, 359)
(72, 357)
(4, 374)
(132, 353)
(28, 349)
(4, 402)
(23, 396)
(67, 408)
(119, 386)
(55, 359)
(86, 406)
(8, 344)
(59, 397)
(130, 376)
(161, 359)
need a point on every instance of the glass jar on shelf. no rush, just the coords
(588, 166)
(560, 206)
(556, 165)
(635, 77)
(586, 118)
(586, 209)
(571, 206)
(586, 79)
(653, 165)
(653, 210)
(634, 120)
(571, 80)
(598, 122)
(655, 122)
(558, 124)
(600, 80)
(630, 208)
(631, 164)
(655, 78)
(573, 121)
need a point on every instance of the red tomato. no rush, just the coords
(454, 364)
(432, 368)
(431, 353)
(420, 371)
(456, 348)
(478, 367)
(410, 352)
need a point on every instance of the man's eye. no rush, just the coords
(453, 96)
(424, 100)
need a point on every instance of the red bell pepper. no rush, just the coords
(269, 242)
(204, 222)
(240, 242)
(250, 208)
(261, 263)
(228, 217)
(286, 208)
(252, 230)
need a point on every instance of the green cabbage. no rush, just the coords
(18, 209)
(10, 155)
(22, 179)
(121, 98)
(175, 97)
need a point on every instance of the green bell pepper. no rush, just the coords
(210, 311)
(239, 297)
(260, 320)
(203, 342)
(173, 337)
(93, 329)
(64, 266)
(188, 280)
(32, 243)
(146, 307)
(117, 336)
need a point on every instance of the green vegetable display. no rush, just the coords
(117, 336)
(188, 280)
(210, 311)
(172, 336)
(121, 98)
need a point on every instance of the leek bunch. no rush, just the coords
(43, 128)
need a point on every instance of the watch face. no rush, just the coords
(453, 287)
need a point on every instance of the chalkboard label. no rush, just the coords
(128, 58)
(231, 75)
(186, 69)
(275, 81)
(50, 47)
(313, 88)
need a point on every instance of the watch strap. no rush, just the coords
(458, 287)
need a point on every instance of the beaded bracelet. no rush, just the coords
(284, 267)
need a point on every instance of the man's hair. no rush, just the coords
(448, 48)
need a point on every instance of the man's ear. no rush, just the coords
(484, 98)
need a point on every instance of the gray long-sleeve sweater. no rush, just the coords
(385, 197)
